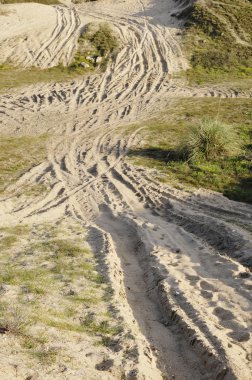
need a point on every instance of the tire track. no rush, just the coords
(180, 255)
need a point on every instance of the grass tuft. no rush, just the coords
(211, 140)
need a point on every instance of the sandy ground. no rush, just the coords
(178, 262)
(38, 35)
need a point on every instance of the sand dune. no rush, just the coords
(38, 35)
(176, 260)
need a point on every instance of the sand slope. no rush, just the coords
(179, 263)
(38, 35)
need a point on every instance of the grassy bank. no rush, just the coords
(218, 40)
(162, 137)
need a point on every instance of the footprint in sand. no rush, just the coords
(223, 314)
(240, 335)
(192, 278)
(206, 294)
(207, 286)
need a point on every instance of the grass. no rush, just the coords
(210, 140)
(11, 76)
(16, 230)
(19, 154)
(218, 41)
(8, 241)
(37, 346)
(13, 320)
(87, 325)
(56, 288)
(162, 137)
(96, 41)
(28, 278)
(46, 355)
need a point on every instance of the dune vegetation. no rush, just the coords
(96, 40)
(218, 40)
(121, 254)
(180, 126)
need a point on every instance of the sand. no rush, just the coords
(176, 260)
(38, 35)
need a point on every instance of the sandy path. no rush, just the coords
(180, 257)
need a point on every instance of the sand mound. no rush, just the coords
(38, 35)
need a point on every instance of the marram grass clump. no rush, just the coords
(211, 140)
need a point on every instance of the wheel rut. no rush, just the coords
(173, 357)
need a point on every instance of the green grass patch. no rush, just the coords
(28, 278)
(19, 154)
(11, 76)
(162, 137)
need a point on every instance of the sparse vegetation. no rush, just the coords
(96, 41)
(96, 45)
(11, 76)
(19, 154)
(162, 139)
(55, 287)
(8, 241)
(12, 319)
